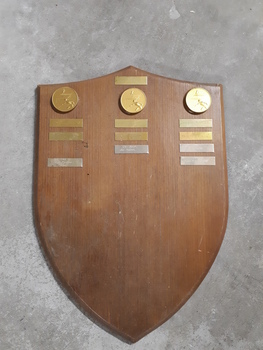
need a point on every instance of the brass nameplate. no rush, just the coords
(131, 123)
(65, 162)
(131, 149)
(131, 80)
(131, 136)
(66, 123)
(195, 123)
(200, 147)
(198, 161)
(66, 136)
(202, 135)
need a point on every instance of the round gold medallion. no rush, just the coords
(133, 100)
(65, 99)
(198, 100)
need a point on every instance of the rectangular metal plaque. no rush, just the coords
(200, 147)
(198, 160)
(131, 80)
(131, 123)
(66, 123)
(66, 136)
(65, 162)
(131, 136)
(195, 123)
(131, 149)
(202, 135)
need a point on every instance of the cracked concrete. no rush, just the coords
(48, 41)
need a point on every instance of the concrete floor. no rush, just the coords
(49, 41)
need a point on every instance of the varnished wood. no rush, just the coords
(131, 236)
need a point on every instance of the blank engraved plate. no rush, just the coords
(131, 123)
(131, 136)
(131, 80)
(131, 149)
(66, 136)
(195, 123)
(65, 162)
(200, 147)
(198, 161)
(66, 123)
(202, 135)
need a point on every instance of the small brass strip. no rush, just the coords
(66, 136)
(202, 135)
(200, 147)
(66, 123)
(65, 162)
(131, 80)
(131, 123)
(195, 123)
(197, 160)
(131, 149)
(131, 136)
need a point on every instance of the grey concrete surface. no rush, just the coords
(52, 41)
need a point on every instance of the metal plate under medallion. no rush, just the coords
(65, 162)
(195, 123)
(131, 149)
(200, 147)
(198, 160)
(188, 136)
(66, 136)
(131, 80)
(131, 123)
(66, 123)
(131, 136)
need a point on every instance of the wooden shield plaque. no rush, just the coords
(131, 193)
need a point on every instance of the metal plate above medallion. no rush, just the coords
(136, 80)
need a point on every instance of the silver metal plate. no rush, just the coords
(198, 160)
(131, 149)
(201, 147)
(65, 162)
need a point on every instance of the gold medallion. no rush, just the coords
(133, 100)
(198, 100)
(65, 99)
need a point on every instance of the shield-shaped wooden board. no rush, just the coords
(131, 193)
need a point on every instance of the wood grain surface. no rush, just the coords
(130, 236)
